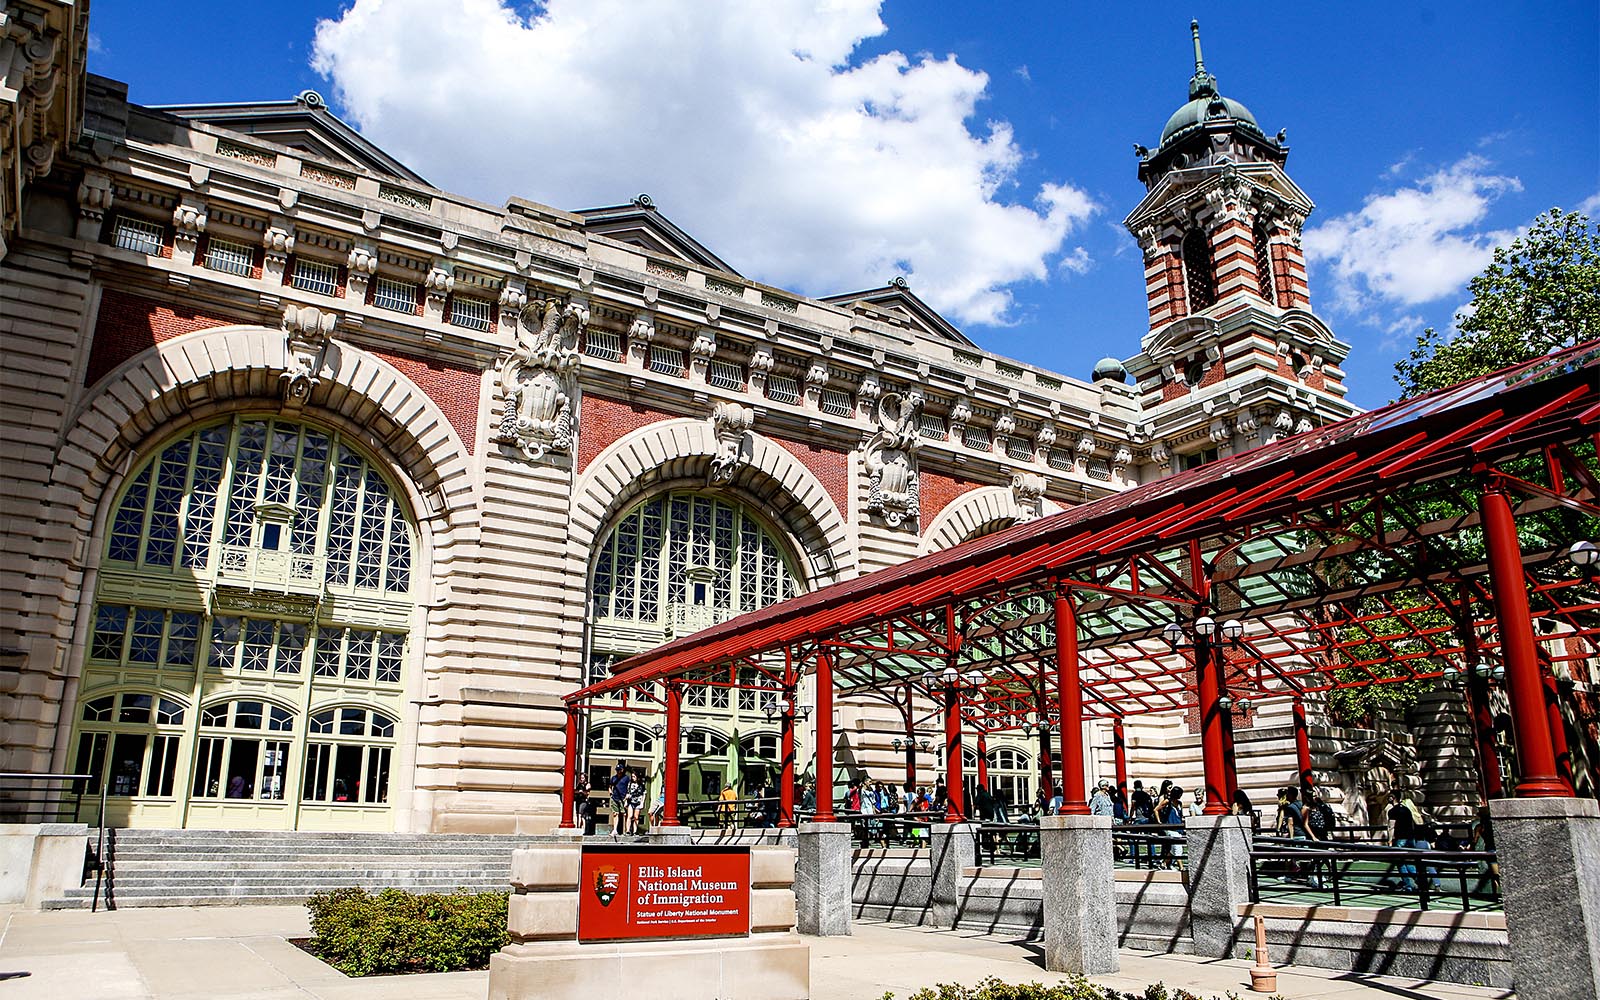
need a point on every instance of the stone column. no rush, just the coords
(823, 879)
(1080, 895)
(671, 835)
(952, 847)
(1550, 879)
(1218, 859)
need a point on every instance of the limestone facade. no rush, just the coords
(323, 485)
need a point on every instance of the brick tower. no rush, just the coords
(1235, 356)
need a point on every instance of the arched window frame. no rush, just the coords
(349, 752)
(137, 726)
(221, 742)
(620, 738)
(1266, 280)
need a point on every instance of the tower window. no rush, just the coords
(1264, 278)
(1197, 270)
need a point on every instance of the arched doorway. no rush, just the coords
(256, 572)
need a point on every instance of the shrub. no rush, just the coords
(396, 931)
(1076, 989)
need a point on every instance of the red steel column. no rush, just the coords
(1558, 725)
(669, 760)
(1069, 692)
(1119, 754)
(954, 812)
(1213, 732)
(569, 794)
(786, 767)
(1477, 690)
(983, 759)
(823, 733)
(911, 741)
(1302, 742)
(1047, 771)
(1536, 756)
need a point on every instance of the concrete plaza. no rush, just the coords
(244, 953)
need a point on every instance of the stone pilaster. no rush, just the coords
(822, 879)
(1080, 900)
(1218, 852)
(953, 847)
(1550, 882)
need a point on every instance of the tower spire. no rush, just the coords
(1202, 84)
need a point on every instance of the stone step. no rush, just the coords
(143, 856)
(335, 879)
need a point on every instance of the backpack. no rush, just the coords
(1317, 819)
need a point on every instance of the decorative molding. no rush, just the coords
(188, 225)
(307, 330)
(95, 197)
(894, 493)
(1027, 491)
(730, 425)
(538, 382)
(640, 333)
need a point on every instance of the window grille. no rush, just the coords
(470, 313)
(230, 258)
(836, 402)
(932, 427)
(315, 276)
(396, 296)
(667, 361)
(1061, 459)
(1020, 448)
(138, 235)
(783, 389)
(726, 375)
(976, 438)
(602, 344)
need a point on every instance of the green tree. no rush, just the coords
(1541, 294)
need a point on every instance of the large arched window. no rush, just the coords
(677, 563)
(1198, 271)
(250, 566)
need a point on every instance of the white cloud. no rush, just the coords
(1077, 261)
(1414, 245)
(1590, 206)
(746, 122)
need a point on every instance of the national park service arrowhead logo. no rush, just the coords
(606, 881)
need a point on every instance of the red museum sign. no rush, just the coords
(663, 892)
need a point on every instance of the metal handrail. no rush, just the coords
(46, 803)
(1337, 862)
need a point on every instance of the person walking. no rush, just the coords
(635, 800)
(728, 807)
(619, 799)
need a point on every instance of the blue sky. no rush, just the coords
(985, 149)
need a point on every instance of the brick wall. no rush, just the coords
(829, 465)
(453, 387)
(604, 421)
(938, 490)
(128, 324)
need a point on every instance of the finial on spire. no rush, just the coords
(1202, 84)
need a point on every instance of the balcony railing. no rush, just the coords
(687, 619)
(270, 569)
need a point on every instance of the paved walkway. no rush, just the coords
(243, 953)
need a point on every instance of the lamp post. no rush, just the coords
(1207, 637)
(784, 708)
(1044, 724)
(952, 682)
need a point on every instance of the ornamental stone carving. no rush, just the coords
(870, 390)
(701, 350)
(1121, 458)
(1245, 423)
(95, 197)
(640, 333)
(538, 381)
(277, 244)
(894, 493)
(730, 424)
(1161, 456)
(307, 329)
(761, 364)
(1218, 431)
(1043, 440)
(1027, 490)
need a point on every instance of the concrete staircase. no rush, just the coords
(232, 867)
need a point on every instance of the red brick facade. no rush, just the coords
(128, 324)
(604, 421)
(938, 490)
(453, 387)
(829, 465)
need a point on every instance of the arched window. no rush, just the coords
(617, 738)
(1264, 277)
(270, 564)
(348, 752)
(131, 739)
(1198, 272)
(703, 742)
(760, 746)
(243, 751)
(1011, 775)
(681, 562)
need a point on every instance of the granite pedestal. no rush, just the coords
(1550, 883)
(1080, 895)
(952, 848)
(1218, 858)
(823, 877)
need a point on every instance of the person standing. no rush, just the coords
(619, 799)
(1100, 803)
(635, 800)
(727, 810)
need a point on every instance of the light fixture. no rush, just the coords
(897, 743)
(1205, 625)
(1174, 634)
(1231, 630)
(659, 729)
(1585, 555)
(1499, 672)
(951, 675)
(1225, 702)
(924, 744)
(976, 678)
